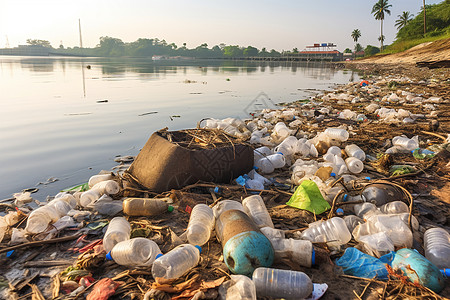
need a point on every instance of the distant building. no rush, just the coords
(26, 50)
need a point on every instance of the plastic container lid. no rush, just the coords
(170, 208)
(108, 256)
(199, 248)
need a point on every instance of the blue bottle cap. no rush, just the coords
(333, 174)
(255, 168)
(159, 255)
(9, 253)
(345, 198)
(340, 211)
(367, 178)
(445, 272)
(216, 189)
(108, 256)
(313, 257)
(280, 153)
(199, 248)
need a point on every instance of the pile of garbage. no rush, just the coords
(318, 210)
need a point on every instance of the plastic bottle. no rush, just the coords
(405, 143)
(176, 262)
(99, 178)
(275, 283)
(61, 206)
(334, 150)
(281, 130)
(395, 207)
(333, 231)
(287, 146)
(109, 187)
(278, 160)
(337, 134)
(224, 205)
(146, 206)
(354, 165)
(239, 287)
(137, 252)
(379, 194)
(352, 221)
(265, 165)
(200, 225)
(118, 230)
(437, 247)
(88, 197)
(298, 252)
(366, 209)
(254, 207)
(354, 151)
(39, 219)
(261, 152)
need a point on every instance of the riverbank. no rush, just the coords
(420, 101)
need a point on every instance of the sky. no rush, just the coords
(280, 25)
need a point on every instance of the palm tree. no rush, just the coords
(381, 39)
(403, 19)
(356, 34)
(378, 10)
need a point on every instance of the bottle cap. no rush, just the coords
(333, 174)
(339, 211)
(108, 256)
(170, 208)
(313, 257)
(255, 168)
(158, 255)
(367, 178)
(9, 253)
(445, 272)
(216, 189)
(345, 198)
(199, 248)
(280, 153)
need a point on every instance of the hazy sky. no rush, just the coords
(281, 25)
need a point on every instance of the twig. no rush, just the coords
(435, 134)
(330, 214)
(39, 243)
(356, 294)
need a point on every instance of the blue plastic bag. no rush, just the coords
(359, 264)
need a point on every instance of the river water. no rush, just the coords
(68, 118)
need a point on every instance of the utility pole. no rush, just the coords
(7, 42)
(79, 27)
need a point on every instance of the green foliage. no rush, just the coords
(232, 51)
(250, 51)
(438, 23)
(380, 8)
(358, 47)
(348, 50)
(42, 43)
(356, 34)
(371, 50)
(403, 19)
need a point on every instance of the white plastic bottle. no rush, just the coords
(254, 207)
(39, 219)
(354, 151)
(99, 178)
(334, 150)
(200, 225)
(405, 143)
(88, 197)
(109, 187)
(287, 146)
(437, 247)
(118, 230)
(239, 287)
(275, 283)
(395, 207)
(281, 130)
(176, 262)
(61, 206)
(137, 252)
(278, 160)
(354, 165)
(224, 205)
(333, 231)
(337, 134)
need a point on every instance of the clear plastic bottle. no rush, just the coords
(333, 231)
(334, 150)
(298, 252)
(405, 143)
(265, 165)
(118, 230)
(109, 187)
(254, 207)
(352, 221)
(379, 193)
(276, 283)
(176, 262)
(88, 197)
(437, 247)
(99, 178)
(337, 134)
(354, 151)
(146, 206)
(281, 130)
(278, 160)
(354, 165)
(395, 207)
(137, 252)
(366, 209)
(239, 287)
(262, 152)
(287, 146)
(200, 225)
(61, 206)
(39, 219)
(224, 205)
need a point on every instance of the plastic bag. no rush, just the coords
(359, 264)
(307, 196)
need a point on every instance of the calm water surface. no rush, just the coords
(53, 125)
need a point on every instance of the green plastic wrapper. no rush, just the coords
(307, 196)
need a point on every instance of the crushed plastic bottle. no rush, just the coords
(118, 230)
(276, 283)
(333, 231)
(239, 287)
(176, 262)
(255, 207)
(395, 207)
